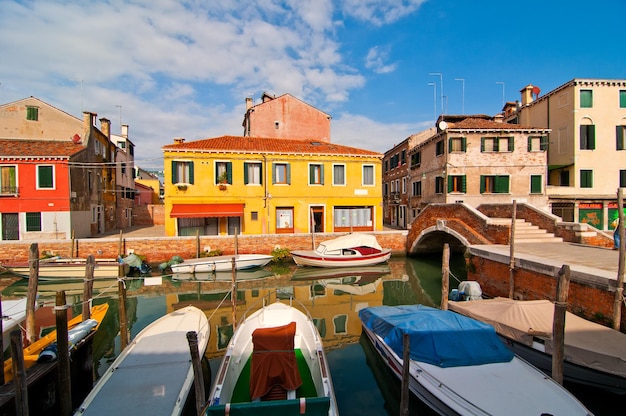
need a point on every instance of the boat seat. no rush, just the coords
(274, 369)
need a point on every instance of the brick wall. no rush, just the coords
(149, 214)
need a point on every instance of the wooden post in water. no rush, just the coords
(19, 374)
(445, 276)
(512, 251)
(31, 296)
(233, 293)
(120, 244)
(236, 242)
(72, 248)
(197, 244)
(198, 380)
(406, 364)
(63, 354)
(558, 324)
(619, 290)
(121, 291)
(90, 266)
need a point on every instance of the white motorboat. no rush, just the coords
(221, 263)
(350, 250)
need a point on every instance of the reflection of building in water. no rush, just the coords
(332, 303)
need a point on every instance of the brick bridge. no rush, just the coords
(461, 226)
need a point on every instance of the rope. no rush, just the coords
(455, 278)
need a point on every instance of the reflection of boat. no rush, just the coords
(594, 355)
(248, 274)
(346, 251)
(275, 355)
(13, 314)
(68, 268)
(48, 288)
(364, 272)
(155, 372)
(356, 288)
(32, 352)
(450, 352)
(221, 263)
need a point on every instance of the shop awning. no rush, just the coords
(206, 210)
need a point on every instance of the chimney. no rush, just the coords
(179, 140)
(527, 94)
(125, 131)
(248, 103)
(105, 127)
(498, 118)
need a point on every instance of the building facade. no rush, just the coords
(478, 160)
(586, 146)
(251, 185)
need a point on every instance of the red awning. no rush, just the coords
(206, 210)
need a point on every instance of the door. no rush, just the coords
(317, 218)
(10, 227)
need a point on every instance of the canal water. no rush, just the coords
(363, 385)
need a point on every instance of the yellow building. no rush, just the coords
(252, 185)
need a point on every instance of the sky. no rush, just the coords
(383, 69)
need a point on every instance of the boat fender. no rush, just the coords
(227, 409)
(302, 405)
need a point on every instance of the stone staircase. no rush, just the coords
(525, 232)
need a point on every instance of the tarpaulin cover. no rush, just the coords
(273, 360)
(441, 338)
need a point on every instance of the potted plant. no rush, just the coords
(222, 180)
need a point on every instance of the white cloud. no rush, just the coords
(375, 60)
(380, 12)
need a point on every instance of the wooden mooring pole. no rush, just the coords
(19, 374)
(406, 365)
(31, 296)
(63, 354)
(445, 276)
(512, 251)
(121, 290)
(198, 380)
(233, 293)
(558, 323)
(90, 266)
(619, 290)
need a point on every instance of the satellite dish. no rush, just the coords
(443, 125)
(76, 138)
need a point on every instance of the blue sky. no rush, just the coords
(184, 68)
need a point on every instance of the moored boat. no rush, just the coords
(13, 314)
(350, 250)
(154, 372)
(221, 263)
(459, 366)
(68, 268)
(274, 364)
(594, 354)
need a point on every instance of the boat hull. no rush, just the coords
(154, 373)
(221, 263)
(70, 269)
(314, 259)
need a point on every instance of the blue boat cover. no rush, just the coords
(442, 338)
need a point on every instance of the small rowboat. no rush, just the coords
(221, 263)
(274, 364)
(68, 268)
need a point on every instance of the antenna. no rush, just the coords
(440, 86)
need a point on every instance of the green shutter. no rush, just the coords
(529, 144)
(586, 99)
(464, 144)
(449, 145)
(273, 173)
(535, 184)
(311, 174)
(45, 179)
(245, 173)
(449, 183)
(174, 172)
(482, 184)
(544, 143)
(622, 99)
(191, 173)
(288, 173)
(482, 144)
(229, 172)
(501, 184)
(619, 137)
(464, 184)
(322, 174)
(592, 137)
(511, 144)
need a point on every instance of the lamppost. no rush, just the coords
(462, 94)
(440, 86)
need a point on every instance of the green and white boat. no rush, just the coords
(274, 365)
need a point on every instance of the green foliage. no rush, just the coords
(211, 253)
(279, 254)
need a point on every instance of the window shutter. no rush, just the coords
(273, 173)
(511, 144)
(311, 174)
(322, 174)
(529, 144)
(245, 173)
(482, 144)
(583, 137)
(535, 184)
(288, 173)
(464, 184)
(543, 145)
(482, 184)
(191, 173)
(450, 184)
(229, 172)
(619, 137)
(174, 172)
(464, 144)
(592, 137)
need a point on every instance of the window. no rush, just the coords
(587, 137)
(619, 138)
(339, 174)
(416, 159)
(535, 184)
(353, 219)
(45, 177)
(439, 148)
(368, 175)
(403, 157)
(252, 173)
(403, 185)
(386, 166)
(586, 178)
(622, 178)
(494, 184)
(8, 180)
(254, 215)
(33, 221)
(439, 185)
(182, 172)
(394, 161)
(457, 144)
(284, 220)
(622, 99)
(564, 178)
(32, 113)
(224, 173)
(281, 173)
(385, 189)
(417, 188)
(316, 174)
(457, 183)
(586, 98)
(496, 144)
(537, 143)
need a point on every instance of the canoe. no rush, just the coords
(346, 251)
(33, 351)
(595, 355)
(274, 364)
(459, 366)
(68, 268)
(154, 373)
(221, 263)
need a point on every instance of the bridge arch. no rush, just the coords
(433, 238)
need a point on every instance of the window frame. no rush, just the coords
(495, 184)
(587, 137)
(416, 159)
(460, 142)
(364, 175)
(223, 167)
(586, 178)
(620, 137)
(316, 174)
(11, 176)
(586, 98)
(457, 184)
(536, 184)
(439, 185)
(343, 174)
(439, 148)
(185, 169)
(32, 113)
(537, 143)
(281, 169)
(247, 166)
(622, 98)
(416, 188)
(282, 227)
(42, 176)
(33, 221)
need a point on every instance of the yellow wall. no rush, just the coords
(298, 194)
